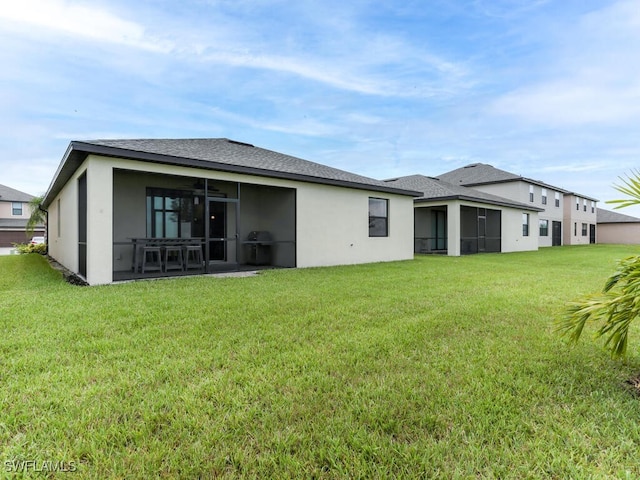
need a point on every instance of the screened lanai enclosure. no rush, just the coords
(430, 227)
(166, 225)
(480, 229)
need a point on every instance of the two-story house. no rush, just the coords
(580, 216)
(14, 214)
(558, 215)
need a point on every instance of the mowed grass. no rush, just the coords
(434, 368)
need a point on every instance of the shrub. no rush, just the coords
(23, 248)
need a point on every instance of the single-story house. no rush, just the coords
(126, 209)
(456, 220)
(14, 215)
(614, 227)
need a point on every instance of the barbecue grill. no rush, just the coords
(259, 248)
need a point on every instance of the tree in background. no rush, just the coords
(619, 303)
(37, 215)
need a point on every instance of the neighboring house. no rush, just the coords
(580, 217)
(14, 214)
(614, 227)
(556, 220)
(456, 220)
(122, 209)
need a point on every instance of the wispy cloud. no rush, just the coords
(376, 66)
(90, 22)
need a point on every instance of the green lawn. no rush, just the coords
(437, 367)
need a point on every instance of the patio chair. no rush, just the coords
(173, 258)
(193, 258)
(151, 259)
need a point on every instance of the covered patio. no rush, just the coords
(168, 225)
(454, 220)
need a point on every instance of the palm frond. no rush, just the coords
(630, 187)
(613, 310)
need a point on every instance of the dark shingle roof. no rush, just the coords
(483, 174)
(8, 194)
(607, 216)
(436, 189)
(214, 154)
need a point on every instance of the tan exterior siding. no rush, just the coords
(575, 218)
(6, 210)
(619, 233)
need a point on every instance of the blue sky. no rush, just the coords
(546, 89)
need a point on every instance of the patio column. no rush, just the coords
(99, 221)
(453, 229)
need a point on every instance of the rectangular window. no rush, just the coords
(577, 204)
(169, 213)
(557, 199)
(16, 208)
(531, 193)
(584, 229)
(584, 204)
(544, 196)
(525, 224)
(593, 207)
(378, 217)
(575, 229)
(544, 228)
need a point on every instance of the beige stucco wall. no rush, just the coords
(333, 227)
(331, 222)
(63, 212)
(99, 222)
(512, 238)
(63, 222)
(619, 233)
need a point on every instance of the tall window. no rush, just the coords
(593, 207)
(584, 229)
(577, 204)
(544, 228)
(378, 217)
(557, 199)
(58, 219)
(16, 208)
(525, 224)
(169, 214)
(544, 196)
(531, 193)
(575, 229)
(584, 204)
